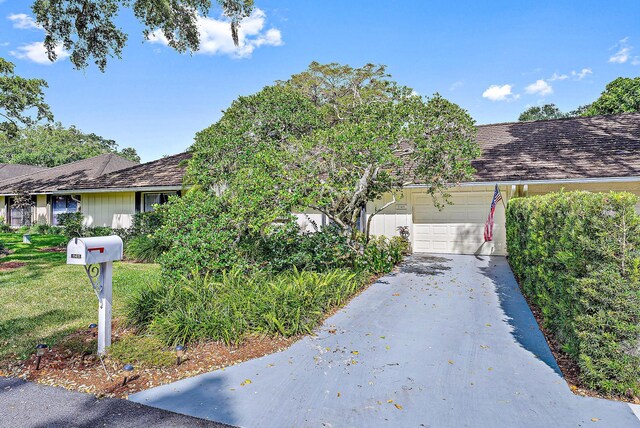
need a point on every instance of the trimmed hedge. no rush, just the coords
(577, 256)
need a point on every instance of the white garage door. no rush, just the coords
(458, 228)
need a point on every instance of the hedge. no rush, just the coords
(577, 256)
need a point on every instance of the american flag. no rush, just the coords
(488, 226)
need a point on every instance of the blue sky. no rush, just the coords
(492, 58)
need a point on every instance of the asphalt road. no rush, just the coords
(447, 341)
(27, 404)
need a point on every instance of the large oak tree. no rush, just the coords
(89, 29)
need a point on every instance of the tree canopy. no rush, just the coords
(545, 112)
(620, 96)
(88, 29)
(53, 145)
(330, 139)
(21, 101)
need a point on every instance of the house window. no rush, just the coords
(64, 204)
(17, 216)
(151, 199)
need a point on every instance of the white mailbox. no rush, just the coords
(97, 256)
(91, 251)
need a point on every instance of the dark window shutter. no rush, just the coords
(138, 201)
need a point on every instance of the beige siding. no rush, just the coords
(541, 189)
(3, 209)
(108, 209)
(41, 211)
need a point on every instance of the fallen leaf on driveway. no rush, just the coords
(450, 361)
(355, 352)
(399, 407)
(389, 401)
(594, 419)
(246, 382)
(396, 294)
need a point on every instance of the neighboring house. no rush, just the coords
(11, 170)
(45, 186)
(597, 154)
(113, 199)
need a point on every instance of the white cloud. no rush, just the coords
(215, 36)
(500, 93)
(455, 85)
(539, 87)
(579, 75)
(23, 21)
(623, 53)
(557, 76)
(37, 53)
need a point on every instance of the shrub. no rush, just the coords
(97, 231)
(287, 247)
(4, 227)
(235, 304)
(201, 236)
(577, 256)
(143, 249)
(72, 224)
(146, 223)
(381, 254)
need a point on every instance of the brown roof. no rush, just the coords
(56, 178)
(166, 172)
(10, 170)
(575, 148)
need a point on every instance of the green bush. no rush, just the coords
(381, 254)
(72, 224)
(235, 304)
(143, 249)
(577, 256)
(146, 223)
(4, 227)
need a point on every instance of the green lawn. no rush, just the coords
(46, 299)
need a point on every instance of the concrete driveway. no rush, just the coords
(446, 341)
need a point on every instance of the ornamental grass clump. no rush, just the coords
(230, 306)
(577, 255)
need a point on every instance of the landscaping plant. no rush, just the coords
(577, 256)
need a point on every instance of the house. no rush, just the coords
(600, 153)
(113, 199)
(107, 189)
(597, 154)
(10, 170)
(45, 186)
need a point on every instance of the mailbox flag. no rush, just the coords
(488, 226)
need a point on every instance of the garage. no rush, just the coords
(457, 228)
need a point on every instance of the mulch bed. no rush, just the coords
(568, 366)
(11, 265)
(62, 368)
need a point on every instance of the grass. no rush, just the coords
(47, 300)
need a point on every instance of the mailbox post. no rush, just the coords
(97, 256)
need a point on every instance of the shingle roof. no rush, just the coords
(575, 148)
(10, 170)
(166, 172)
(53, 179)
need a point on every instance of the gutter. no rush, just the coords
(110, 190)
(556, 181)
